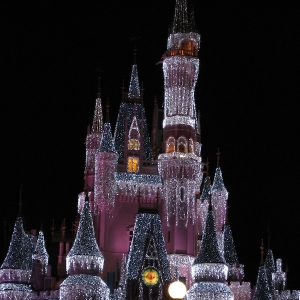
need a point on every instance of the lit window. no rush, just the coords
(133, 164)
(182, 144)
(133, 144)
(170, 144)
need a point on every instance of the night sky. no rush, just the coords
(247, 93)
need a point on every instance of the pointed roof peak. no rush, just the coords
(107, 144)
(230, 254)
(218, 158)
(99, 88)
(98, 116)
(181, 22)
(210, 251)
(218, 183)
(262, 247)
(134, 87)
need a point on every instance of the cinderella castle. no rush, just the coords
(150, 214)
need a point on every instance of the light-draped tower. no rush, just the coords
(180, 163)
(92, 143)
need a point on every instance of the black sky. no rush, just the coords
(247, 93)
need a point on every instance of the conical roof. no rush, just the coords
(85, 242)
(270, 268)
(98, 117)
(19, 255)
(40, 252)
(134, 87)
(262, 291)
(85, 256)
(218, 184)
(229, 248)
(107, 144)
(206, 191)
(209, 251)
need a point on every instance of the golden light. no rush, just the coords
(177, 290)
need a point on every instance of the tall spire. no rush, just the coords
(262, 291)
(40, 252)
(98, 117)
(134, 88)
(85, 251)
(270, 268)
(181, 22)
(210, 251)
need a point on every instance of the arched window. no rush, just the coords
(182, 144)
(170, 145)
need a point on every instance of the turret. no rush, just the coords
(209, 269)
(180, 165)
(84, 264)
(105, 168)
(16, 270)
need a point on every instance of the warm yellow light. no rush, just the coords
(177, 290)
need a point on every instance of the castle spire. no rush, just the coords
(84, 263)
(40, 252)
(181, 22)
(262, 252)
(85, 251)
(210, 251)
(262, 290)
(134, 88)
(98, 117)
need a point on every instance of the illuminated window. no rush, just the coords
(133, 164)
(133, 144)
(188, 47)
(182, 144)
(170, 144)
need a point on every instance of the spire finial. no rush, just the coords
(86, 191)
(20, 202)
(262, 252)
(269, 236)
(207, 167)
(218, 158)
(99, 87)
(107, 111)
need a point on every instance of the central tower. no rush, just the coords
(180, 164)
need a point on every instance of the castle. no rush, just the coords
(147, 205)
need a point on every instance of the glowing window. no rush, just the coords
(133, 144)
(182, 144)
(133, 164)
(170, 144)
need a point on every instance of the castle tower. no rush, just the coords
(16, 270)
(40, 263)
(219, 196)
(105, 168)
(84, 264)
(92, 143)
(180, 164)
(209, 268)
